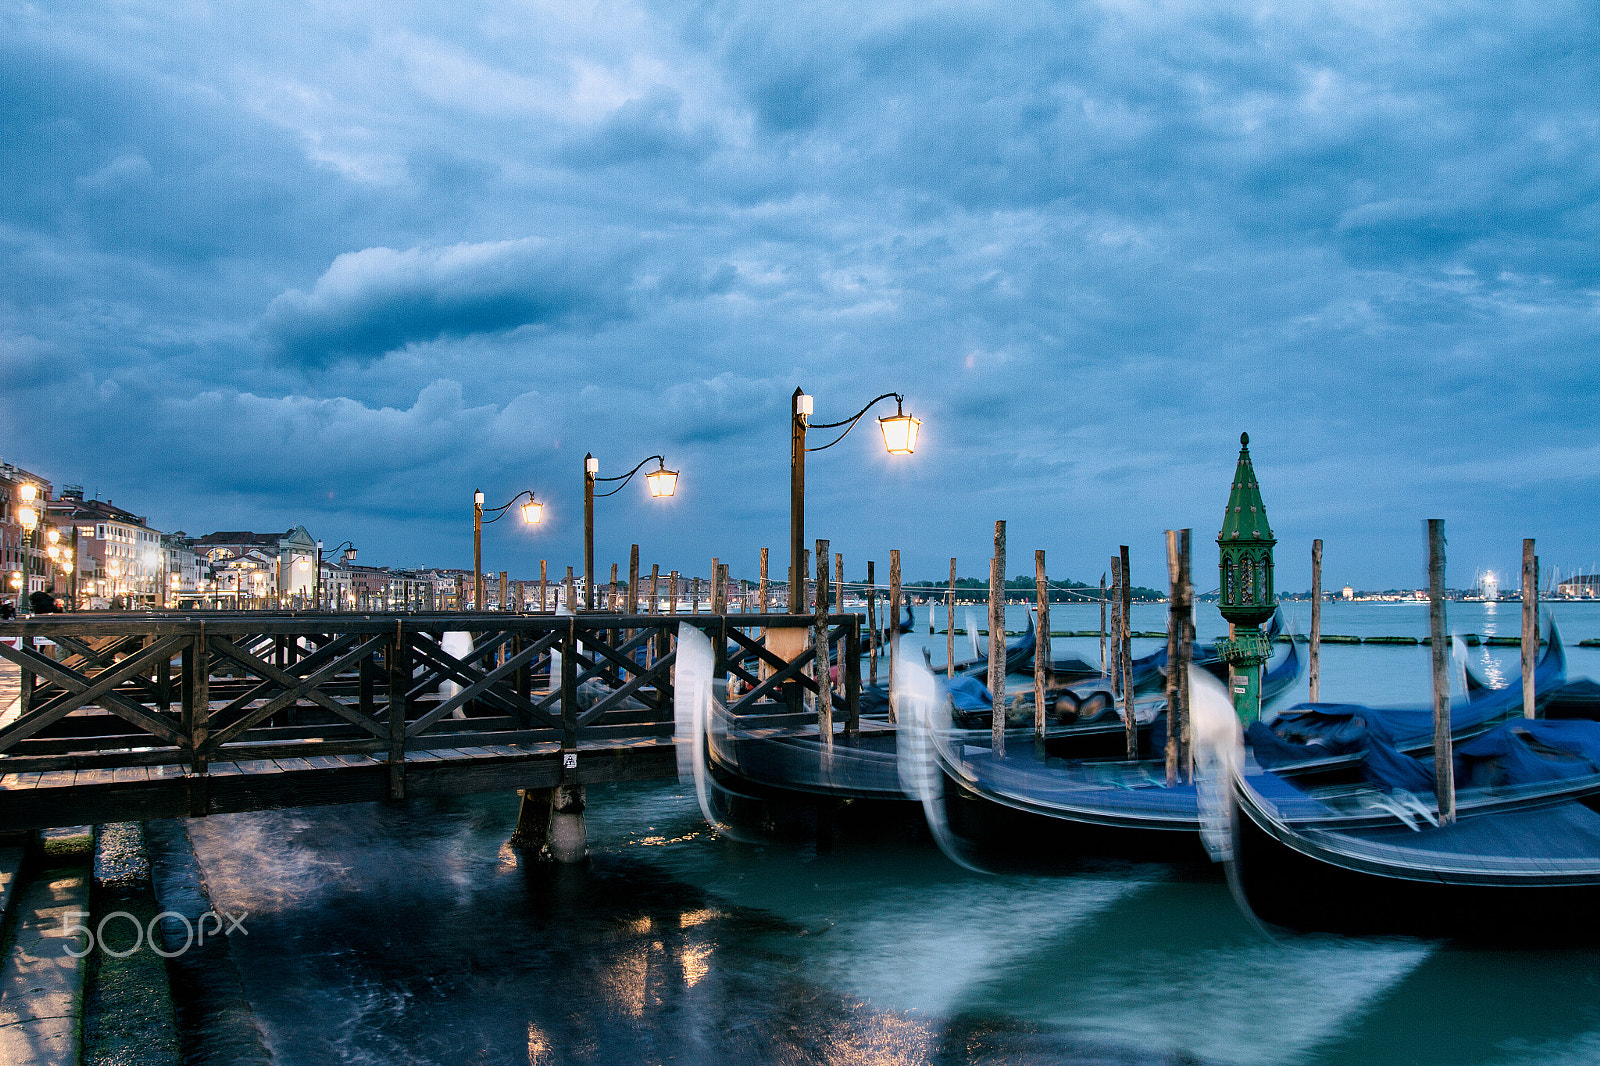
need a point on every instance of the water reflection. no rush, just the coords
(401, 935)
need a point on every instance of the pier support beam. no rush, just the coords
(550, 824)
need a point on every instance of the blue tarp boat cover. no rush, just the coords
(1522, 752)
(1316, 730)
(970, 694)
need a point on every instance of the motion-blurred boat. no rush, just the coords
(1519, 864)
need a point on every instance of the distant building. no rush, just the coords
(1347, 593)
(1580, 587)
(23, 560)
(273, 569)
(112, 557)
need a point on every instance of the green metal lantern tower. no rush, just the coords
(1246, 543)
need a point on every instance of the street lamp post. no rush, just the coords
(349, 557)
(662, 482)
(532, 514)
(29, 515)
(899, 438)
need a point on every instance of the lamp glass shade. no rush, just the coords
(52, 534)
(900, 433)
(28, 491)
(477, 499)
(16, 579)
(532, 512)
(662, 482)
(349, 555)
(28, 516)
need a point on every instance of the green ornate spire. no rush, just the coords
(1245, 545)
(1246, 519)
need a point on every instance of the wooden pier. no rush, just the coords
(188, 714)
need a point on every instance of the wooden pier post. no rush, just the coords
(672, 593)
(997, 640)
(399, 682)
(633, 580)
(763, 596)
(872, 623)
(719, 588)
(655, 589)
(1314, 659)
(950, 625)
(820, 642)
(1443, 754)
(197, 718)
(894, 627)
(1530, 624)
(1041, 649)
(543, 584)
(572, 603)
(1125, 651)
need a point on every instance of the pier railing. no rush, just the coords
(125, 703)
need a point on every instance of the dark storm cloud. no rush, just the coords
(378, 299)
(390, 252)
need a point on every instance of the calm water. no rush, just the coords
(412, 935)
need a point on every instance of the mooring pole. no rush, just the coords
(997, 641)
(1314, 663)
(950, 625)
(1113, 633)
(1103, 626)
(1041, 648)
(1185, 654)
(1126, 655)
(1530, 625)
(872, 623)
(1443, 754)
(824, 674)
(894, 627)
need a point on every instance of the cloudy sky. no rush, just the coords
(340, 263)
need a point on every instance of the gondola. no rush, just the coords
(1019, 656)
(905, 626)
(1124, 808)
(1519, 865)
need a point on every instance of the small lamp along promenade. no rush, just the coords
(1247, 596)
(661, 482)
(349, 550)
(532, 514)
(899, 438)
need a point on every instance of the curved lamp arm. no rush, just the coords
(850, 423)
(500, 512)
(625, 478)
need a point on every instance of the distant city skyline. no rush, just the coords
(342, 265)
